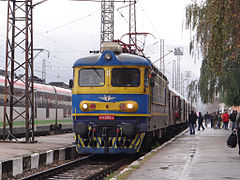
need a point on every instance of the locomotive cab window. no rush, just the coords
(91, 77)
(146, 77)
(125, 77)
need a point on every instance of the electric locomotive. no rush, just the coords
(112, 98)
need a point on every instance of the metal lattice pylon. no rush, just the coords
(162, 63)
(19, 100)
(132, 23)
(107, 21)
(174, 74)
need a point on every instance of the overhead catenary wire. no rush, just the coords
(143, 10)
(68, 23)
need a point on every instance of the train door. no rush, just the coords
(180, 110)
(35, 103)
(169, 107)
(184, 110)
(177, 109)
(173, 109)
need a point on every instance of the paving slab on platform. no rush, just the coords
(203, 156)
(44, 143)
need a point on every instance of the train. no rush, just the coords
(53, 109)
(121, 103)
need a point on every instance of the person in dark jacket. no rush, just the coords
(237, 128)
(192, 121)
(207, 118)
(233, 118)
(200, 121)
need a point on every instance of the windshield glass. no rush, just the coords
(91, 77)
(125, 77)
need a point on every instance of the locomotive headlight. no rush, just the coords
(129, 106)
(85, 106)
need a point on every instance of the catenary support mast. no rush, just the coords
(19, 105)
(107, 21)
(132, 23)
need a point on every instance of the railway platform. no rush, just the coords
(16, 158)
(203, 156)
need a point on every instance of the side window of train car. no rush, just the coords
(91, 77)
(125, 77)
(146, 77)
(1, 96)
(64, 111)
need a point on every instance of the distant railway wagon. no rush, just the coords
(121, 102)
(52, 107)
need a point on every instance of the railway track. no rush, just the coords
(86, 168)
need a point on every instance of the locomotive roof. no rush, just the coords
(121, 59)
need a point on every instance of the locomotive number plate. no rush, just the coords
(106, 117)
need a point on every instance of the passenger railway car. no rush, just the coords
(121, 102)
(52, 107)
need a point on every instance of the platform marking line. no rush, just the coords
(49, 158)
(185, 171)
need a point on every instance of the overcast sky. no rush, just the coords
(69, 29)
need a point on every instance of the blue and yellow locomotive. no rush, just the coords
(120, 102)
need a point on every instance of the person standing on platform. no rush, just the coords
(219, 120)
(192, 121)
(237, 128)
(214, 120)
(211, 119)
(207, 118)
(200, 121)
(232, 118)
(225, 120)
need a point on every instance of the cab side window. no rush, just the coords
(146, 77)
